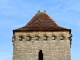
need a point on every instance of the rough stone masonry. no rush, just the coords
(43, 34)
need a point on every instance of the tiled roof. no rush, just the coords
(41, 22)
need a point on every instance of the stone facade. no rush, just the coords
(54, 45)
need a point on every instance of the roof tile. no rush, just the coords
(41, 22)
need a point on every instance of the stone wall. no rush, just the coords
(53, 48)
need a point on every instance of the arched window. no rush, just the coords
(40, 55)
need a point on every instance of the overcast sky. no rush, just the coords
(16, 13)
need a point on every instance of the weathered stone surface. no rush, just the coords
(52, 49)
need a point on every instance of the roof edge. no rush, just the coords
(14, 31)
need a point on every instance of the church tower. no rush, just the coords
(41, 39)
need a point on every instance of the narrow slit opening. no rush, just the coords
(40, 55)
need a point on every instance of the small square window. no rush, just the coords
(20, 38)
(45, 37)
(54, 37)
(29, 38)
(62, 37)
(37, 37)
(13, 38)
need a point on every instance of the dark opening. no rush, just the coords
(40, 55)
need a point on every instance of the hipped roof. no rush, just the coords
(41, 22)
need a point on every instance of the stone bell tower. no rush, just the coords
(41, 39)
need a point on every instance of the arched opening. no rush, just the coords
(40, 55)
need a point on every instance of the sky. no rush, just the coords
(16, 13)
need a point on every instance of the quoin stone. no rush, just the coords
(41, 39)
